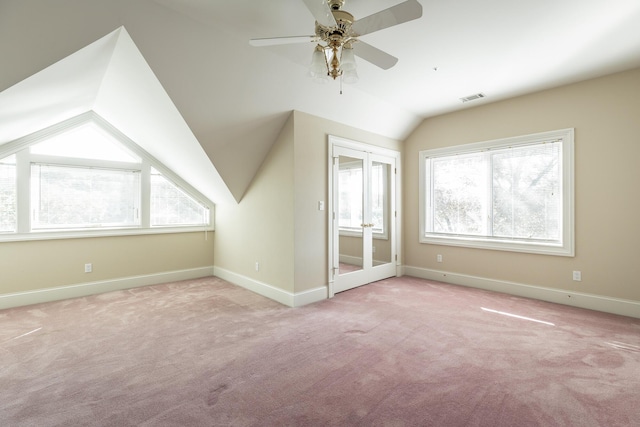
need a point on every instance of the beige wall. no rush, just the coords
(277, 223)
(311, 186)
(260, 227)
(605, 113)
(32, 265)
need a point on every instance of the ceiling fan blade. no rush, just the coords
(398, 14)
(281, 40)
(321, 11)
(374, 55)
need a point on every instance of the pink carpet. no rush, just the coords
(399, 352)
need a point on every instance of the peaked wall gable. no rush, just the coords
(111, 77)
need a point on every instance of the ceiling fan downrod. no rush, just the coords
(335, 70)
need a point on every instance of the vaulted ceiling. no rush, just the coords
(235, 98)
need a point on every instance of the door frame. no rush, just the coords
(395, 217)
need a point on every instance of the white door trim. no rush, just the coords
(335, 141)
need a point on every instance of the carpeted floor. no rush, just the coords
(399, 352)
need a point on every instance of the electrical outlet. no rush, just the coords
(439, 258)
(88, 268)
(257, 266)
(577, 276)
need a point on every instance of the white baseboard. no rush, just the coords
(559, 296)
(84, 289)
(310, 296)
(271, 292)
(576, 299)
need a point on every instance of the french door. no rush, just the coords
(363, 217)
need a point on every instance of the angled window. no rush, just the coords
(82, 177)
(87, 141)
(171, 205)
(514, 194)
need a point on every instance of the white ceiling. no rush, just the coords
(235, 98)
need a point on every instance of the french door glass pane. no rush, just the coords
(382, 239)
(350, 214)
(350, 193)
(378, 198)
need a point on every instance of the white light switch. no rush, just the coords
(321, 205)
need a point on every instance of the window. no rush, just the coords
(87, 141)
(514, 194)
(84, 178)
(64, 197)
(8, 220)
(170, 205)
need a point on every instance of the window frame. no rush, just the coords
(34, 215)
(12, 194)
(24, 160)
(566, 245)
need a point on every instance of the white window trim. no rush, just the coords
(24, 231)
(565, 248)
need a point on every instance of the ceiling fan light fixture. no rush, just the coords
(348, 61)
(350, 76)
(318, 67)
(320, 79)
(336, 30)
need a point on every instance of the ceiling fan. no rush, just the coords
(337, 35)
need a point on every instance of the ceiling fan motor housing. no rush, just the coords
(337, 32)
(342, 30)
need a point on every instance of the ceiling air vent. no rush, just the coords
(472, 97)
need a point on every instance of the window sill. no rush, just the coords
(88, 233)
(501, 245)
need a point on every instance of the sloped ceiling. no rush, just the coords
(236, 98)
(110, 78)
